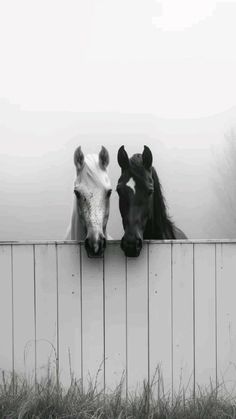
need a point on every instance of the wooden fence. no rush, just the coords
(173, 308)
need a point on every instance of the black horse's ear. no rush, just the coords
(79, 159)
(103, 158)
(147, 157)
(122, 158)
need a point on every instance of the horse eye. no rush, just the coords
(109, 193)
(77, 193)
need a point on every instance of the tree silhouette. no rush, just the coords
(226, 184)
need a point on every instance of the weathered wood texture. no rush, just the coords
(170, 313)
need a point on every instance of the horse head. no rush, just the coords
(92, 190)
(135, 189)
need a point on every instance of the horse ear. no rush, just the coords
(147, 157)
(103, 158)
(79, 159)
(122, 158)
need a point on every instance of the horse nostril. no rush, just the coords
(101, 243)
(97, 248)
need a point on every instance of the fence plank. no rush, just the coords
(46, 310)
(69, 313)
(23, 297)
(92, 320)
(134, 316)
(160, 317)
(6, 361)
(205, 314)
(227, 319)
(115, 316)
(137, 320)
(183, 350)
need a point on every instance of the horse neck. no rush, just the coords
(159, 226)
(77, 230)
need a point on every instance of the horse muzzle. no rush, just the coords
(131, 248)
(95, 247)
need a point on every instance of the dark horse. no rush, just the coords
(142, 204)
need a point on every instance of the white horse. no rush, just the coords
(92, 190)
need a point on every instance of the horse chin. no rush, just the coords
(93, 256)
(130, 250)
(95, 249)
(132, 253)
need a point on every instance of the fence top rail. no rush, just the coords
(70, 242)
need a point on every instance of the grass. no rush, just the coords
(48, 400)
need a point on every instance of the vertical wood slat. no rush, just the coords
(46, 310)
(194, 322)
(23, 298)
(137, 320)
(172, 320)
(6, 361)
(183, 319)
(205, 314)
(93, 320)
(69, 317)
(115, 317)
(160, 317)
(12, 319)
(126, 330)
(35, 321)
(227, 319)
(218, 261)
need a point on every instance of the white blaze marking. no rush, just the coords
(131, 183)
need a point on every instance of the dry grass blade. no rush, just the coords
(52, 401)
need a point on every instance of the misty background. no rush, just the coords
(160, 73)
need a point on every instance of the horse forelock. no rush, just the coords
(92, 172)
(137, 171)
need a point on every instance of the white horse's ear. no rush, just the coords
(103, 158)
(147, 157)
(79, 159)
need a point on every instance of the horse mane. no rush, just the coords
(160, 226)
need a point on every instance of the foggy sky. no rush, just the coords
(174, 59)
(36, 191)
(92, 73)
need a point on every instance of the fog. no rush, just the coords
(37, 170)
(160, 73)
